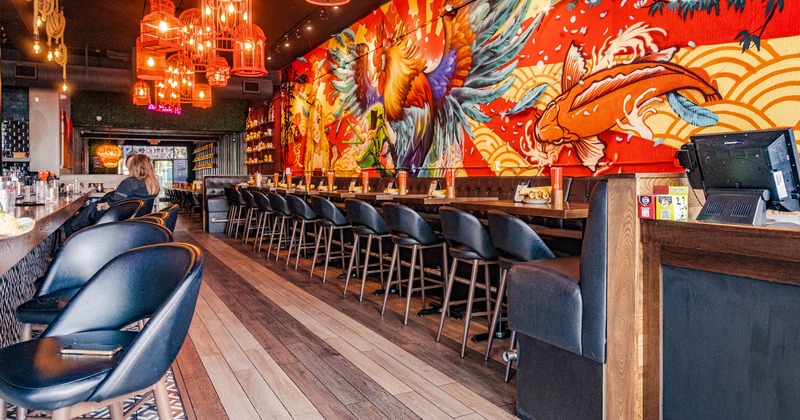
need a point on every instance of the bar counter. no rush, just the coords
(26, 257)
(721, 308)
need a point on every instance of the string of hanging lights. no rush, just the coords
(49, 14)
(199, 41)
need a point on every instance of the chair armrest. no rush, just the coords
(545, 302)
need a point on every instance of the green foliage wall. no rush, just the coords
(118, 112)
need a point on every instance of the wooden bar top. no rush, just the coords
(48, 219)
(558, 210)
(433, 201)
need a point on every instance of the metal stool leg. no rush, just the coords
(470, 298)
(395, 257)
(356, 241)
(501, 290)
(410, 287)
(446, 302)
(322, 232)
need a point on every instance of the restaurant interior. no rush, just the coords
(473, 209)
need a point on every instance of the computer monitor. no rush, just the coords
(743, 164)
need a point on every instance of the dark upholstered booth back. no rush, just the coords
(215, 205)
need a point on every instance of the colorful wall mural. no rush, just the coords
(512, 87)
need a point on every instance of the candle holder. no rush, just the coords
(365, 181)
(331, 178)
(402, 179)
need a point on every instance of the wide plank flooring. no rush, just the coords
(269, 342)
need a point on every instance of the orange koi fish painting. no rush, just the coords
(624, 93)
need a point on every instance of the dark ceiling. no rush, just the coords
(109, 27)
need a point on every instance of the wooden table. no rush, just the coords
(554, 210)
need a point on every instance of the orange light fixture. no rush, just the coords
(218, 72)
(180, 76)
(160, 30)
(201, 96)
(150, 65)
(141, 93)
(109, 155)
(248, 53)
(197, 42)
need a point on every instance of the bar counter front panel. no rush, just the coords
(26, 257)
(722, 309)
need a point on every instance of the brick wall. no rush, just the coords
(14, 104)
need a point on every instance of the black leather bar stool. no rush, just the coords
(516, 242)
(330, 219)
(469, 241)
(264, 221)
(410, 230)
(251, 210)
(195, 203)
(78, 259)
(241, 214)
(302, 215)
(172, 217)
(366, 222)
(159, 282)
(281, 223)
(121, 210)
(234, 209)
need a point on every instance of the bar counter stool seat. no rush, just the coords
(302, 215)
(410, 230)
(121, 210)
(159, 282)
(330, 219)
(264, 222)
(469, 241)
(71, 268)
(366, 222)
(283, 214)
(516, 243)
(251, 215)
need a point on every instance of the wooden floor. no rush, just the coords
(269, 342)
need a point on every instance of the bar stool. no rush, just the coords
(234, 209)
(516, 242)
(410, 230)
(366, 221)
(302, 214)
(251, 211)
(282, 216)
(469, 242)
(330, 219)
(264, 221)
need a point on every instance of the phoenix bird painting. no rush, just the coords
(427, 110)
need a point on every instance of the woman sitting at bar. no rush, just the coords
(141, 184)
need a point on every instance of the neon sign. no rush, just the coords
(165, 109)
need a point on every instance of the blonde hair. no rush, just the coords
(141, 167)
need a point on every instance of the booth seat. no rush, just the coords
(557, 307)
(215, 204)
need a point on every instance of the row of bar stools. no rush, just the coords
(264, 221)
(366, 222)
(516, 242)
(330, 219)
(410, 230)
(469, 241)
(302, 214)
(283, 215)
